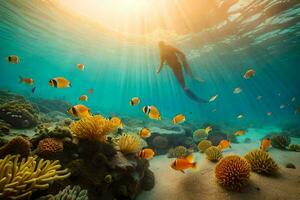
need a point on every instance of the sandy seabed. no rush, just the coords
(174, 185)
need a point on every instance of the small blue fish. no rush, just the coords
(33, 90)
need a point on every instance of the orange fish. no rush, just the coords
(240, 132)
(145, 133)
(265, 144)
(14, 59)
(178, 119)
(224, 144)
(250, 73)
(91, 91)
(181, 164)
(117, 122)
(28, 81)
(237, 90)
(269, 113)
(146, 153)
(79, 111)
(80, 67)
(297, 110)
(152, 112)
(60, 82)
(134, 101)
(83, 98)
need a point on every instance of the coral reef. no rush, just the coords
(178, 152)
(17, 145)
(129, 143)
(50, 147)
(160, 142)
(294, 147)
(247, 140)
(280, 141)
(261, 162)
(203, 145)
(51, 105)
(21, 178)
(4, 127)
(213, 154)
(290, 165)
(19, 114)
(148, 180)
(216, 137)
(68, 193)
(233, 172)
(199, 135)
(93, 128)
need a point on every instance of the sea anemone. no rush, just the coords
(148, 180)
(233, 172)
(93, 128)
(17, 145)
(294, 147)
(280, 141)
(261, 162)
(178, 152)
(213, 154)
(50, 147)
(203, 145)
(129, 143)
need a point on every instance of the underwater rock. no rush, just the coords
(233, 172)
(19, 114)
(261, 162)
(247, 140)
(160, 142)
(148, 180)
(17, 145)
(213, 154)
(216, 137)
(203, 145)
(292, 129)
(6, 96)
(178, 152)
(232, 138)
(294, 147)
(280, 141)
(49, 105)
(4, 127)
(50, 148)
(290, 165)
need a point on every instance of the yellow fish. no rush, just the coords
(224, 144)
(152, 112)
(146, 153)
(145, 133)
(213, 98)
(79, 111)
(240, 132)
(208, 129)
(240, 116)
(249, 74)
(28, 81)
(13, 59)
(178, 119)
(134, 101)
(117, 122)
(181, 164)
(60, 82)
(265, 144)
(237, 90)
(83, 98)
(80, 67)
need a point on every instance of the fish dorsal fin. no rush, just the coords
(190, 158)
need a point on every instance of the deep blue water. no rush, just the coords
(50, 40)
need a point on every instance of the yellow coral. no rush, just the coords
(203, 145)
(129, 143)
(20, 177)
(261, 162)
(213, 154)
(92, 127)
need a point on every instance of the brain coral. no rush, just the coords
(203, 145)
(213, 154)
(178, 152)
(261, 162)
(93, 128)
(129, 143)
(17, 145)
(233, 172)
(49, 147)
(280, 141)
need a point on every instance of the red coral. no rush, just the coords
(50, 147)
(17, 145)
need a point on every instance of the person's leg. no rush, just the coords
(179, 75)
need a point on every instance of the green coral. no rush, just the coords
(280, 141)
(69, 193)
(213, 154)
(294, 147)
(108, 179)
(199, 135)
(261, 162)
(178, 152)
(203, 145)
(4, 127)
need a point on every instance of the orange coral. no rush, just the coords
(17, 145)
(233, 172)
(92, 127)
(50, 147)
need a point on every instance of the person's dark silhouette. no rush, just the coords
(175, 59)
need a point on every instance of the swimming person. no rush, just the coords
(176, 59)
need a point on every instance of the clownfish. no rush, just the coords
(79, 111)
(59, 82)
(152, 112)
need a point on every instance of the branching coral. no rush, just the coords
(261, 162)
(233, 172)
(213, 154)
(129, 143)
(17, 145)
(280, 141)
(203, 145)
(178, 152)
(19, 178)
(50, 147)
(69, 193)
(93, 128)
(294, 147)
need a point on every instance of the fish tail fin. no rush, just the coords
(70, 85)
(193, 96)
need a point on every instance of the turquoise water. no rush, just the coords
(51, 39)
